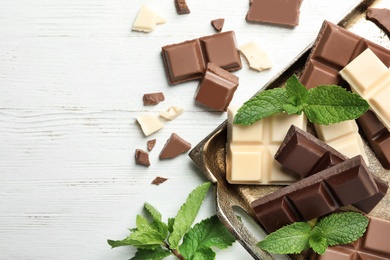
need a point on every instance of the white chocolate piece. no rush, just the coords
(146, 20)
(149, 124)
(370, 78)
(343, 137)
(251, 149)
(172, 112)
(258, 59)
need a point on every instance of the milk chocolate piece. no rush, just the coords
(182, 7)
(218, 24)
(153, 98)
(281, 12)
(174, 146)
(319, 156)
(142, 157)
(188, 60)
(333, 49)
(150, 144)
(316, 195)
(159, 180)
(374, 244)
(250, 149)
(381, 17)
(217, 88)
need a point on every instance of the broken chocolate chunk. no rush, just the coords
(159, 180)
(150, 144)
(174, 146)
(142, 157)
(182, 7)
(381, 17)
(218, 24)
(153, 98)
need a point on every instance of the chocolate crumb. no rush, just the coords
(150, 144)
(158, 180)
(182, 7)
(218, 24)
(381, 17)
(153, 98)
(174, 146)
(142, 157)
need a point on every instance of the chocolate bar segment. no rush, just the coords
(316, 195)
(188, 60)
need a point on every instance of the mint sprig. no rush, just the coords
(334, 229)
(325, 104)
(156, 240)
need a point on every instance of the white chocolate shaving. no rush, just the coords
(146, 20)
(172, 112)
(149, 124)
(258, 59)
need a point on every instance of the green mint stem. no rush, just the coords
(174, 251)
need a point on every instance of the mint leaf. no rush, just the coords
(264, 104)
(154, 212)
(297, 93)
(343, 228)
(333, 104)
(204, 254)
(187, 213)
(171, 221)
(291, 109)
(208, 233)
(290, 239)
(156, 254)
(317, 240)
(117, 243)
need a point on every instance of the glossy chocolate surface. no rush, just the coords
(182, 7)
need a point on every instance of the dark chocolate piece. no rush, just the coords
(316, 195)
(153, 98)
(333, 49)
(319, 156)
(281, 12)
(381, 17)
(150, 144)
(142, 157)
(182, 7)
(159, 180)
(187, 60)
(217, 88)
(174, 146)
(218, 24)
(374, 244)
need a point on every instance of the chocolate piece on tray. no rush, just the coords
(150, 144)
(374, 244)
(153, 98)
(217, 88)
(142, 157)
(281, 12)
(174, 146)
(381, 17)
(316, 195)
(218, 24)
(333, 49)
(187, 60)
(250, 149)
(182, 7)
(319, 156)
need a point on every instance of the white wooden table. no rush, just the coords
(72, 76)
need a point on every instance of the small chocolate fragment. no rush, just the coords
(142, 157)
(149, 124)
(280, 12)
(174, 146)
(153, 98)
(381, 17)
(182, 7)
(188, 60)
(146, 20)
(217, 88)
(316, 195)
(319, 156)
(218, 24)
(159, 180)
(374, 244)
(150, 144)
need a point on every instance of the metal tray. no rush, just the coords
(209, 154)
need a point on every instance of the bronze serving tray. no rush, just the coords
(209, 154)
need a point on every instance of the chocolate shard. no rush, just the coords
(182, 7)
(280, 12)
(142, 157)
(217, 88)
(218, 24)
(319, 156)
(174, 146)
(381, 17)
(153, 98)
(159, 180)
(150, 144)
(316, 195)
